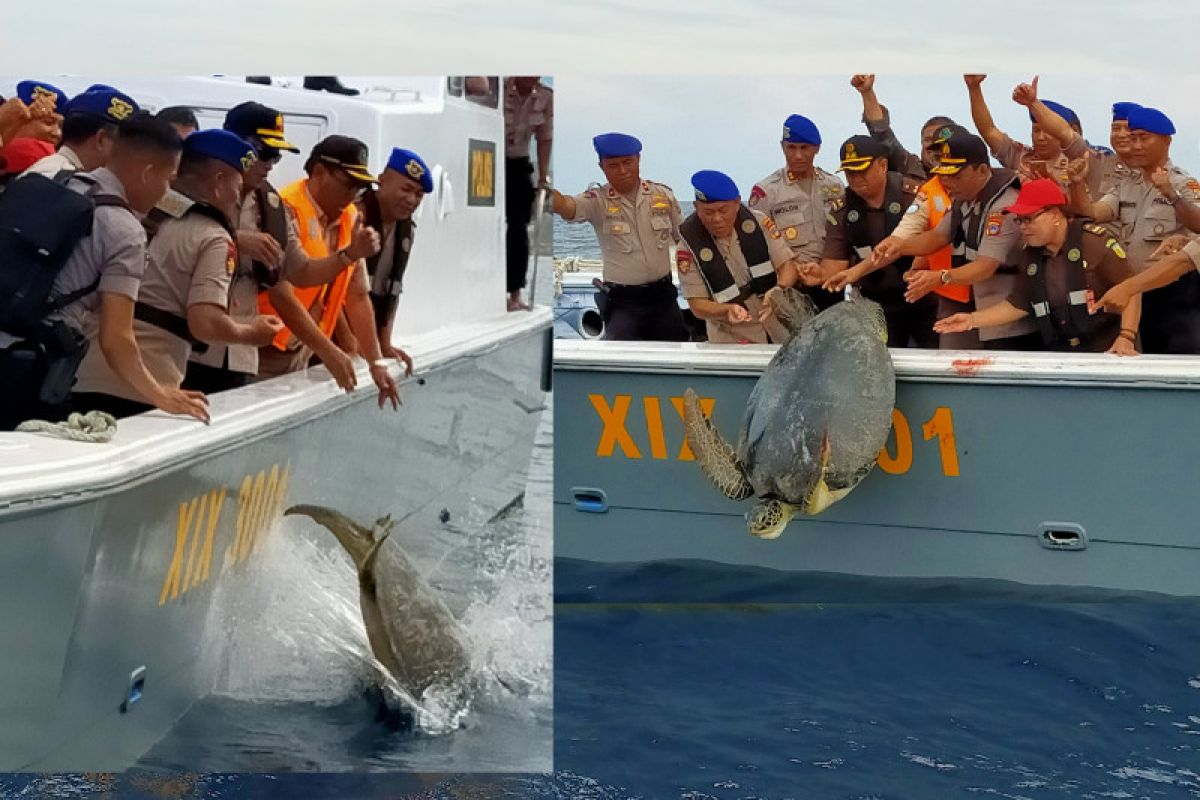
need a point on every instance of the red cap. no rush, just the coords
(1037, 195)
(21, 154)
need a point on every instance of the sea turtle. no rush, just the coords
(816, 420)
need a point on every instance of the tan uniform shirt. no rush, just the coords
(1000, 239)
(1145, 216)
(114, 252)
(1020, 158)
(799, 207)
(243, 293)
(524, 117)
(694, 285)
(51, 165)
(191, 261)
(636, 234)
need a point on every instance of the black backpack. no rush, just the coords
(41, 222)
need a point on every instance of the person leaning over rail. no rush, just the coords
(800, 197)
(268, 246)
(985, 240)
(1154, 202)
(737, 256)
(1065, 264)
(636, 223)
(876, 199)
(89, 128)
(93, 294)
(328, 223)
(1176, 257)
(389, 209)
(183, 298)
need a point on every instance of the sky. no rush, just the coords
(733, 123)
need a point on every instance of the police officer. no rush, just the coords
(97, 287)
(876, 201)
(1064, 265)
(184, 296)
(737, 255)
(985, 241)
(268, 248)
(1156, 200)
(528, 113)
(181, 118)
(800, 197)
(636, 222)
(89, 129)
(878, 122)
(1048, 157)
(388, 209)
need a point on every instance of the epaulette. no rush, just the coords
(910, 186)
(174, 204)
(1107, 233)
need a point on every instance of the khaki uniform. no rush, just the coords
(525, 117)
(1021, 159)
(243, 293)
(799, 207)
(1144, 215)
(635, 235)
(694, 285)
(64, 160)
(1105, 171)
(191, 261)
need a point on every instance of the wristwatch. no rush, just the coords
(945, 277)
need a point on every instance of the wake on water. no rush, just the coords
(294, 632)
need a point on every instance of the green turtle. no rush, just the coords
(816, 420)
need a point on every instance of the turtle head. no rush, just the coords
(768, 518)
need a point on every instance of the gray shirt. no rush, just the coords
(1144, 215)
(635, 234)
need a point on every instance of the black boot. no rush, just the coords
(328, 84)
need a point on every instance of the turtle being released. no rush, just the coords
(816, 420)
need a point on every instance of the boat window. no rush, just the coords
(481, 89)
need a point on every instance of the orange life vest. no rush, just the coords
(939, 206)
(312, 239)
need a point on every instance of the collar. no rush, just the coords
(108, 182)
(70, 155)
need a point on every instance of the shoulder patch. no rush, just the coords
(1115, 246)
(756, 194)
(994, 223)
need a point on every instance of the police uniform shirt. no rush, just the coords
(799, 207)
(243, 292)
(694, 286)
(1000, 239)
(51, 165)
(191, 262)
(899, 158)
(1019, 157)
(1105, 171)
(1103, 267)
(1146, 216)
(635, 235)
(532, 115)
(115, 251)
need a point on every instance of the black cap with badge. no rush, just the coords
(345, 152)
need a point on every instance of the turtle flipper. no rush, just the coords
(822, 497)
(713, 453)
(791, 308)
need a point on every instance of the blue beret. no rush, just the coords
(800, 130)
(96, 87)
(221, 145)
(28, 90)
(107, 103)
(712, 186)
(1121, 110)
(406, 162)
(1058, 108)
(1150, 120)
(616, 145)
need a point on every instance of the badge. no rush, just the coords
(405, 244)
(894, 208)
(912, 209)
(231, 259)
(1031, 270)
(706, 254)
(790, 233)
(1159, 229)
(614, 209)
(749, 226)
(1073, 254)
(756, 194)
(852, 216)
(617, 227)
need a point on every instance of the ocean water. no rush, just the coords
(580, 239)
